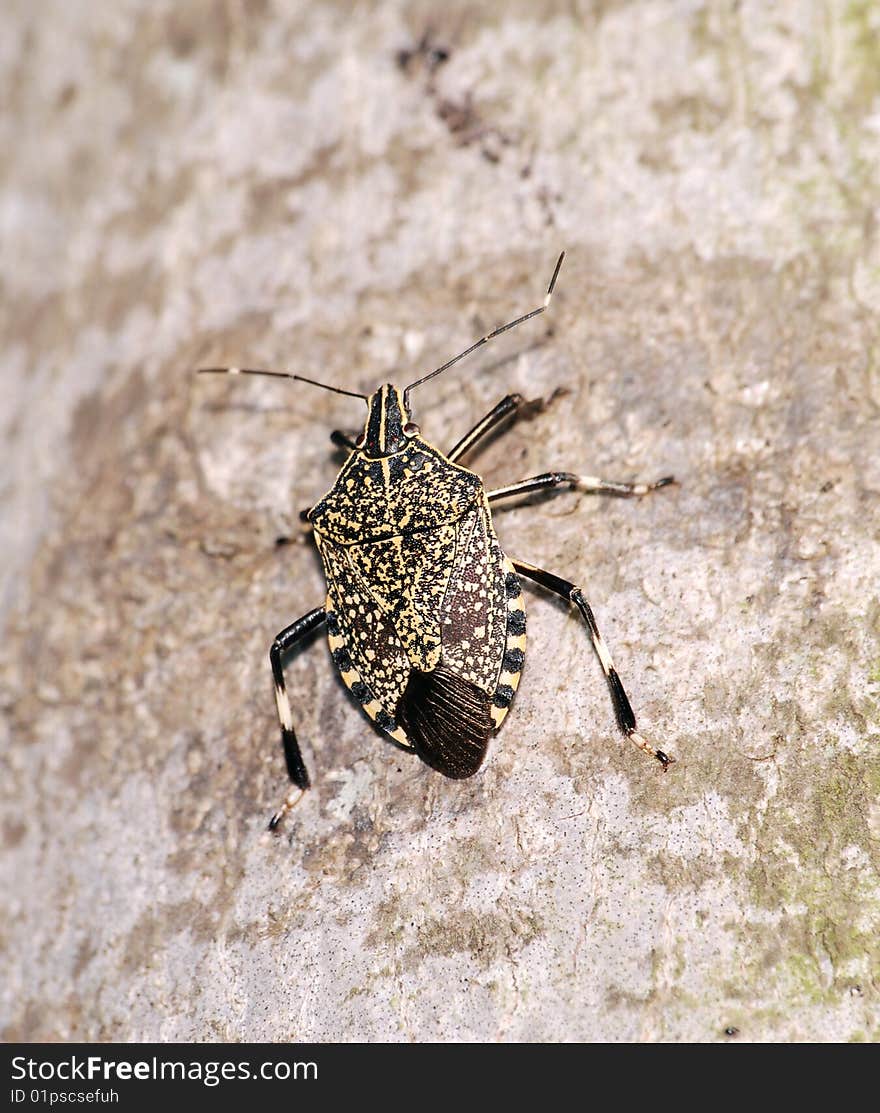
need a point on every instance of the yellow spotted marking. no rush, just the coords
(351, 677)
(514, 641)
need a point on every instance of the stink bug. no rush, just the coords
(424, 612)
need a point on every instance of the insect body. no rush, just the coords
(424, 612)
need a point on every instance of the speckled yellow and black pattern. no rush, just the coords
(473, 610)
(409, 576)
(366, 696)
(424, 612)
(367, 633)
(413, 490)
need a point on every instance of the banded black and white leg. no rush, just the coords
(590, 484)
(623, 711)
(281, 646)
(512, 405)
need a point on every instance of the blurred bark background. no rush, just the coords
(356, 194)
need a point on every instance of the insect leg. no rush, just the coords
(342, 440)
(589, 483)
(507, 406)
(626, 720)
(296, 769)
(511, 404)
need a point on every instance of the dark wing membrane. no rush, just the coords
(448, 721)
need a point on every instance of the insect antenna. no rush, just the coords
(491, 335)
(277, 375)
